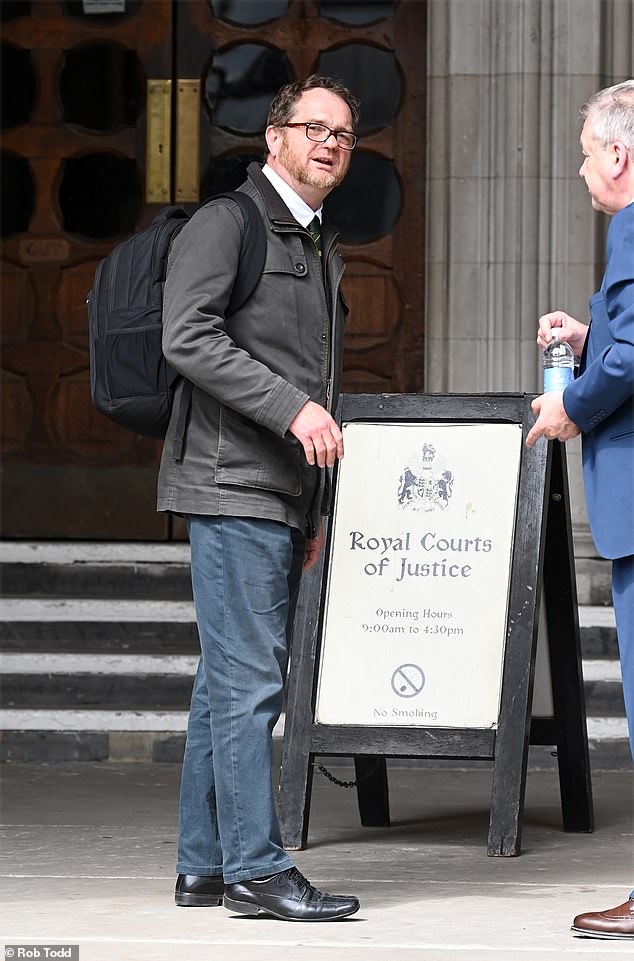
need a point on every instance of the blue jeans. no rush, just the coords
(245, 577)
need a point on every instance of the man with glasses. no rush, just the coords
(251, 483)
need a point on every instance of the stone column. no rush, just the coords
(511, 233)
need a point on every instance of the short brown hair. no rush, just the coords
(284, 101)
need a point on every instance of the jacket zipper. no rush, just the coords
(311, 531)
(330, 307)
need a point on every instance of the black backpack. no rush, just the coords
(130, 380)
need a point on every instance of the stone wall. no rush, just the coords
(511, 232)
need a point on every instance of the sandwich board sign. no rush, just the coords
(413, 635)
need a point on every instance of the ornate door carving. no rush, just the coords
(89, 90)
(73, 169)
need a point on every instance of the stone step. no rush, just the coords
(53, 664)
(163, 682)
(96, 570)
(161, 571)
(99, 647)
(97, 625)
(137, 626)
(100, 637)
(597, 628)
(81, 735)
(47, 662)
(56, 736)
(594, 581)
(166, 692)
(154, 682)
(168, 581)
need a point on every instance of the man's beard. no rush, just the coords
(302, 173)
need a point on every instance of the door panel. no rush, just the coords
(378, 49)
(88, 96)
(80, 143)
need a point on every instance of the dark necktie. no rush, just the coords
(314, 229)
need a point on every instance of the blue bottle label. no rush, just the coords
(557, 378)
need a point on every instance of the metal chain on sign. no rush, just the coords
(347, 784)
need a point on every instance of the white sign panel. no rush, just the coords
(417, 594)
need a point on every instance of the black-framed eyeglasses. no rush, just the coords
(319, 132)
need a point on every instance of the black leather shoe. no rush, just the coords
(199, 891)
(288, 896)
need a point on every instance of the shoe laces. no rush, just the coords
(304, 884)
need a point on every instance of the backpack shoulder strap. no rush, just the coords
(250, 267)
(252, 251)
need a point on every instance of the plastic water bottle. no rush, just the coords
(559, 365)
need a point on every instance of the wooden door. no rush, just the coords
(90, 154)
(73, 183)
(378, 49)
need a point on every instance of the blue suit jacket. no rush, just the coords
(601, 399)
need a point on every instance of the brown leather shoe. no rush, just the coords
(614, 923)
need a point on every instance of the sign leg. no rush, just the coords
(560, 595)
(372, 791)
(512, 739)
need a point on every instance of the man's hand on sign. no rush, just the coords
(552, 420)
(319, 434)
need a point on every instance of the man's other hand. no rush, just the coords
(560, 325)
(313, 548)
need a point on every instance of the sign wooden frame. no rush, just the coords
(542, 554)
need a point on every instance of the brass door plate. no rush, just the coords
(187, 141)
(158, 165)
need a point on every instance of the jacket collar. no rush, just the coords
(276, 209)
(275, 206)
(300, 210)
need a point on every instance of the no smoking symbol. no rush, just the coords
(408, 680)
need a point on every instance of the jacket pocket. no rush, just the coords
(621, 434)
(252, 456)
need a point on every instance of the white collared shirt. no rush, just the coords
(300, 210)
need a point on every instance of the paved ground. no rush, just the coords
(89, 852)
